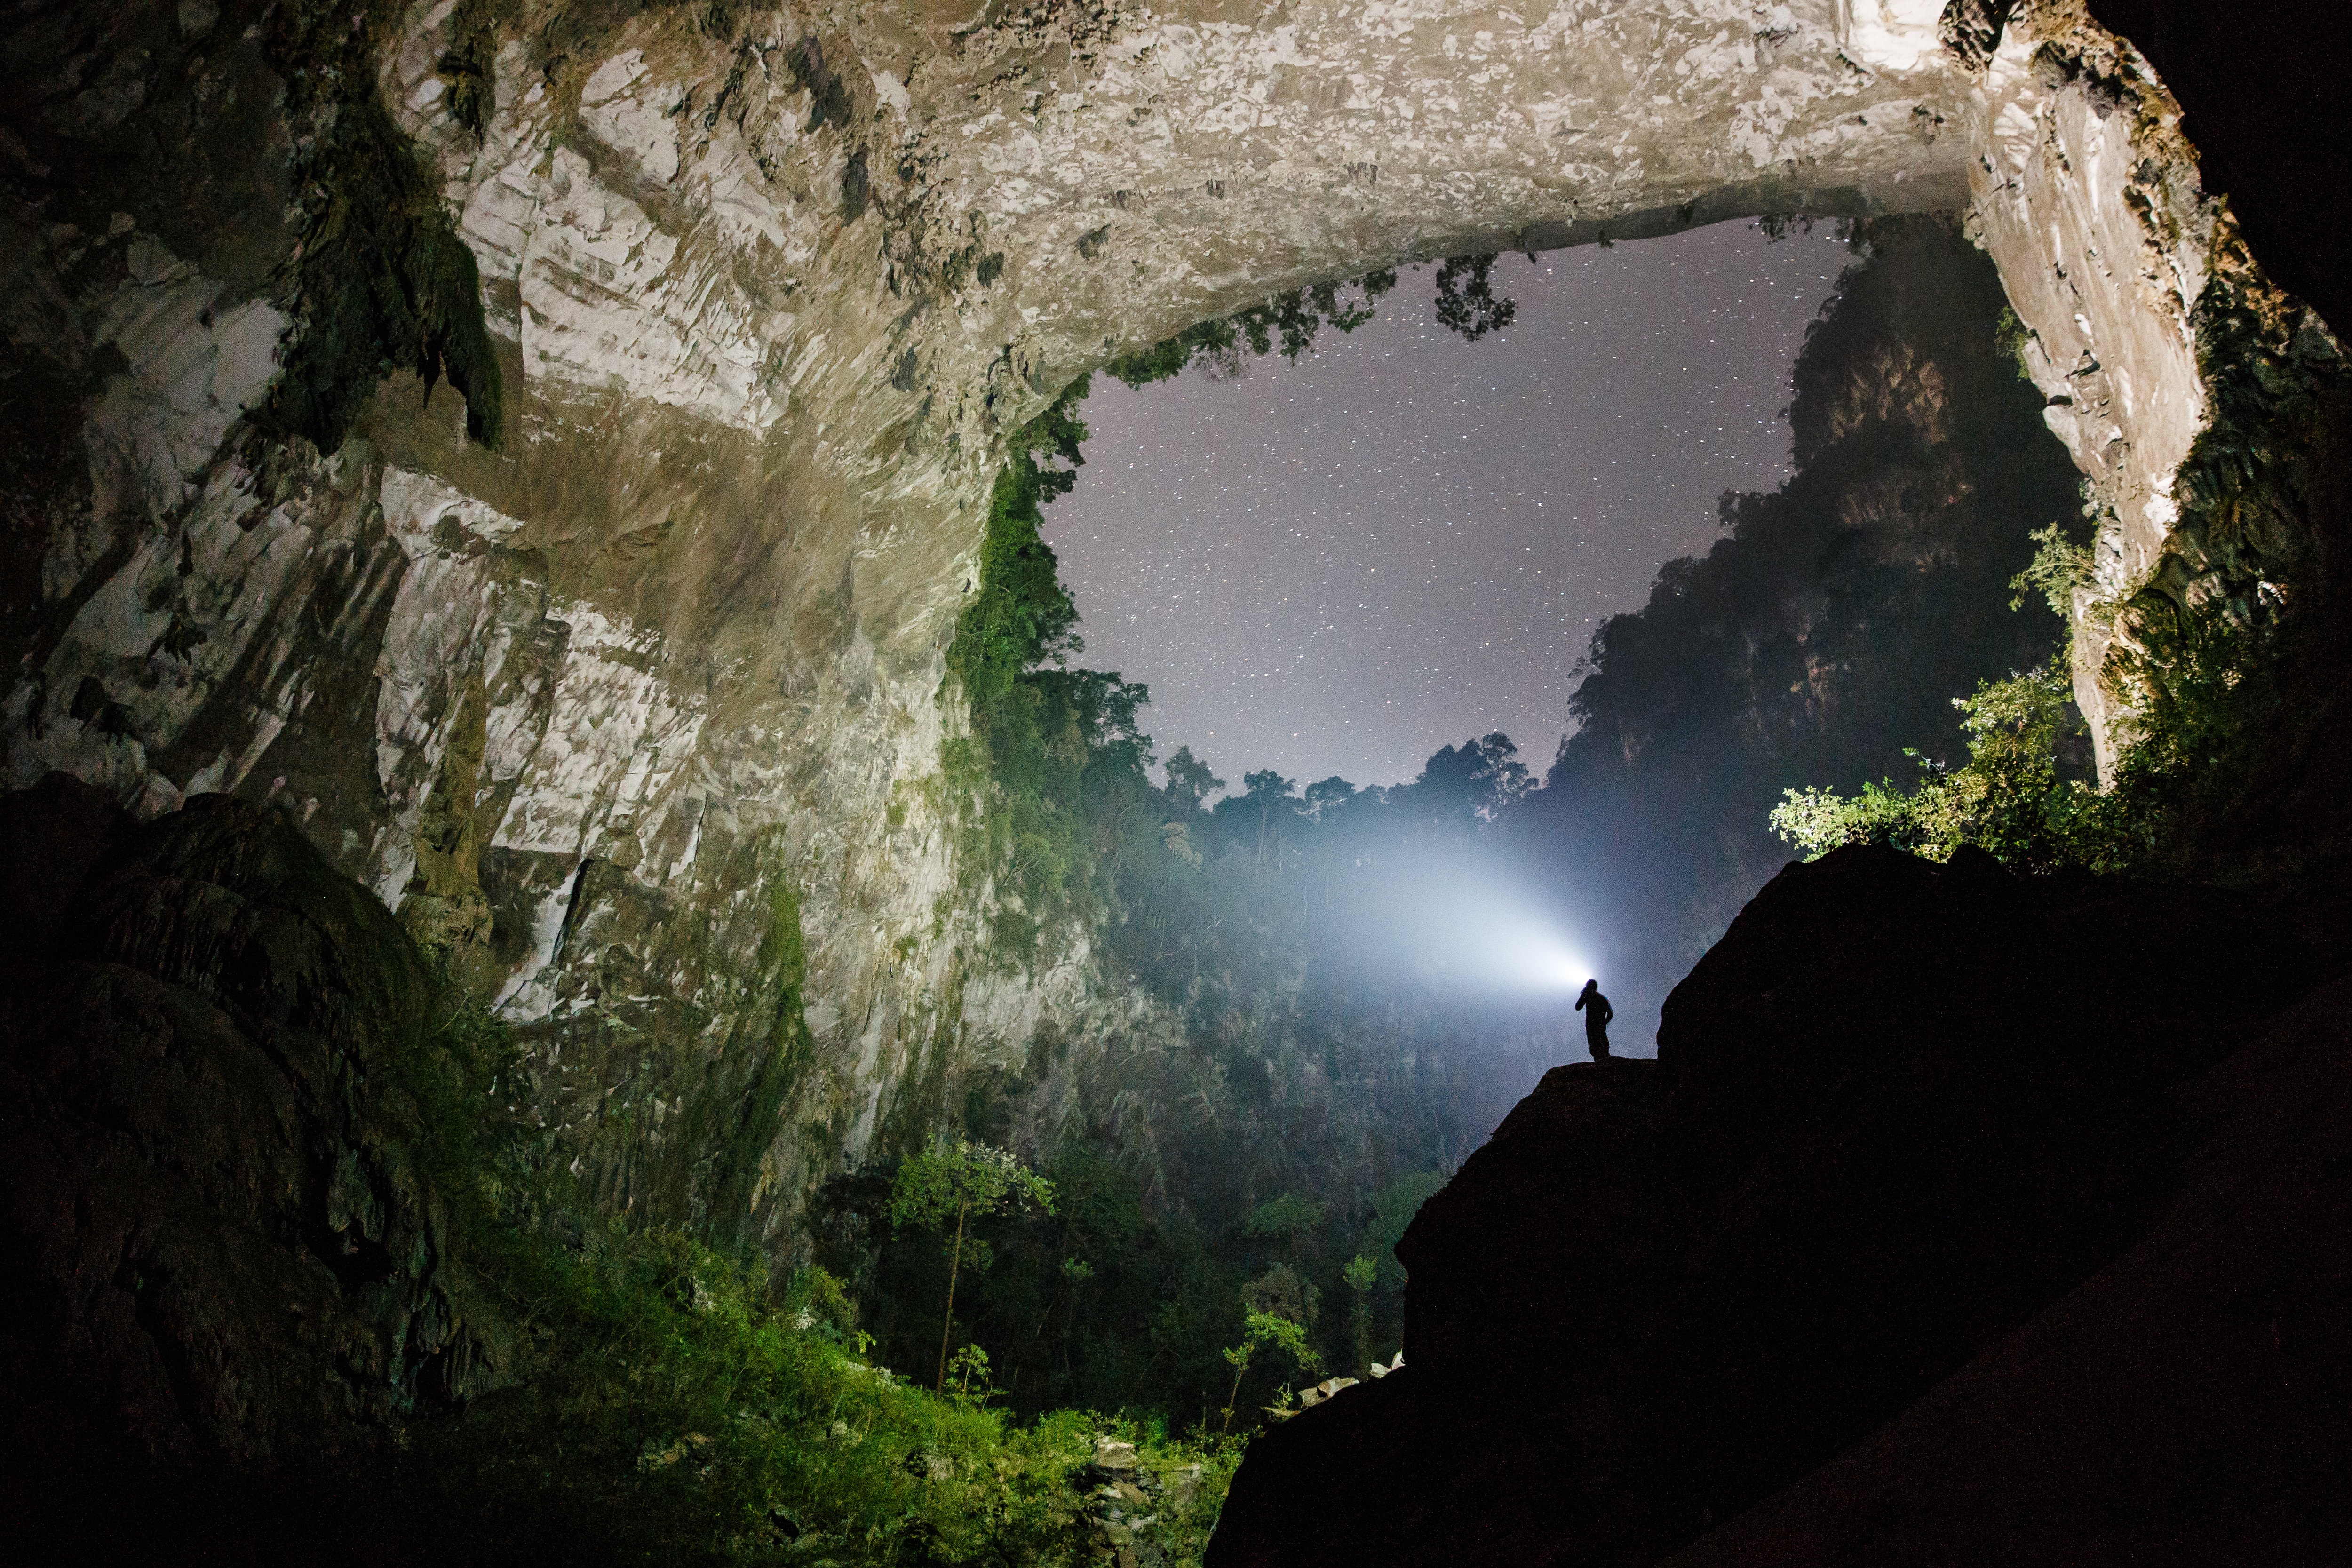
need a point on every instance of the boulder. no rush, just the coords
(1899, 1111)
(225, 1228)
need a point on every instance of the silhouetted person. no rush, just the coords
(1597, 1012)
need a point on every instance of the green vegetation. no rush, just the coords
(1196, 1198)
(669, 1411)
(967, 1180)
(637, 1393)
(1259, 921)
(1830, 625)
(1392, 1211)
(1198, 1193)
(1360, 1275)
(2223, 661)
(1263, 1330)
(1286, 1216)
(1049, 786)
(1046, 741)
(2179, 797)
(2229, 655)
(1310, 1108)
(2011, 338)
(639, 1396)
(627, 1393)
(2060, 565)
(1466, 298)
(1289, 322)
(2007, 797)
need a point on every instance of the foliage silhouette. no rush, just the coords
(1289, 322)
(1466, 298)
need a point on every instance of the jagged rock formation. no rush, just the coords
(223, 1234)
(1916, 1138)
(2152, 329)
(638, 714)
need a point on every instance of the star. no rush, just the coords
(1424, 529)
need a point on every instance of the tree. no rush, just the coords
(1271, 799)
(1260, 1330)
(1392, 1212)
(1190, 782)
(966, 1180)
(1290, 320)
(1466, 298)
(1329, 798)
(1476, 780)
(1361, 1274)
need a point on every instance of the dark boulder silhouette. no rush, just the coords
(1935, 1166)
(225, 1257)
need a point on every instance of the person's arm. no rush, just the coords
(1580, 1003)
(1608, 1014)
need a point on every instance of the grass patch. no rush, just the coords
(673, 1414)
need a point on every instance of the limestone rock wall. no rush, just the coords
(639, 716)
(2122, 267)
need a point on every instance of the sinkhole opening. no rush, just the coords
(1487, 610)
(1335, 565)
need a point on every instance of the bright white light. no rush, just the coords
(1509, 946)
(1556, 966)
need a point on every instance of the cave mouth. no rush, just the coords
(1522, 633)
(773, 948)
(1333, 563)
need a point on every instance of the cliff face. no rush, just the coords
(2154, 335)
(1894, 1142)
(637, 715)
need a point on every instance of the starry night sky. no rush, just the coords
(1406, 539)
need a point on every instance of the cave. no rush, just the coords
(675, 629)
(536, 457)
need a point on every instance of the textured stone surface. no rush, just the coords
(2088, 193)
(606, 709)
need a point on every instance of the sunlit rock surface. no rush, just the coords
(2128, 275)
(1929, 1156)
(610, 713)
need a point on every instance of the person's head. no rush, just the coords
(1591, 986)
